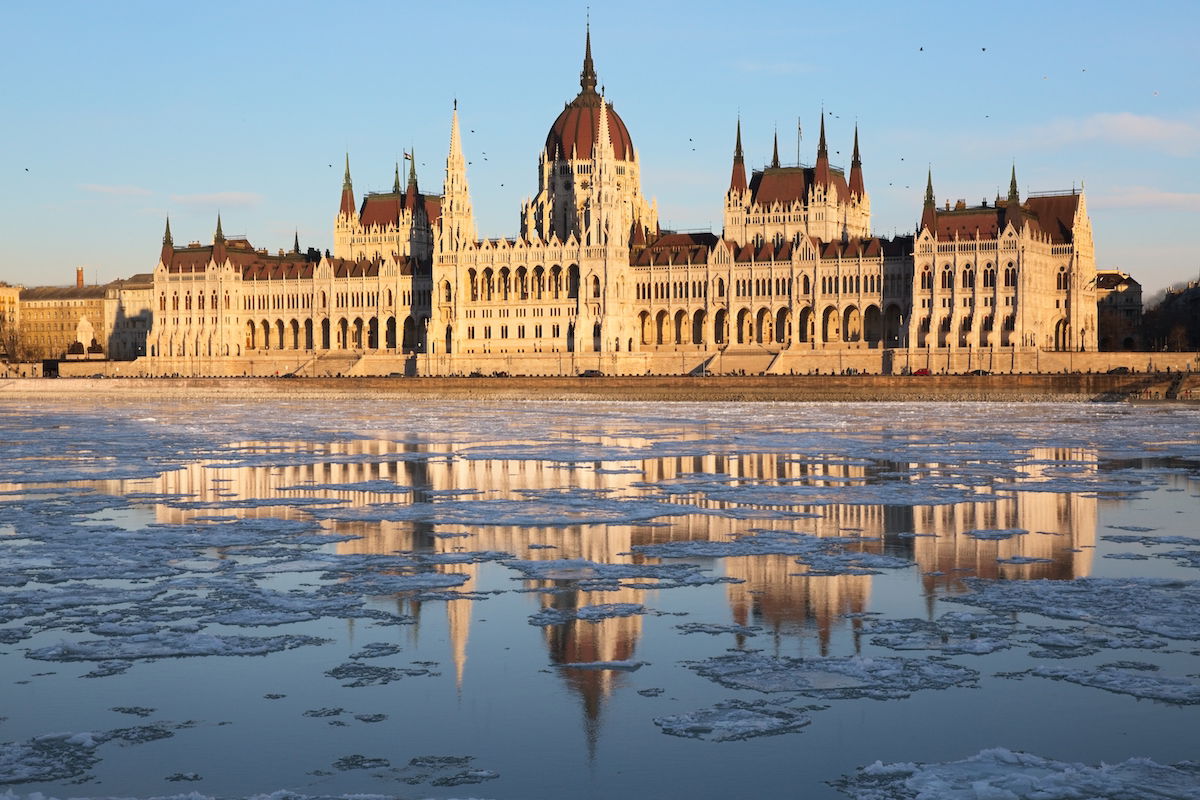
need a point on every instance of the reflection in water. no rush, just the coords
(704, 497)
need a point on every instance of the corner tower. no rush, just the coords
(571, 160)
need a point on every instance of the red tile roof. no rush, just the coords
(576, 129)
(787, 185)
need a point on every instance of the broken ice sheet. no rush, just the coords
(169, 645)
(734, 720)
(1136, 679)
(881, 678)
(1159, 606)
(594, 613)
(1007, 775)
(952, 633)
(714, 629)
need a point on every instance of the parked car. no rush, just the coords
(979, 372)
(591, 373)
(921, 371)
(1119, 371)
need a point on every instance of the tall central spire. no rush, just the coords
(587, 77)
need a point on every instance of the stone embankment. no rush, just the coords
(765, 388)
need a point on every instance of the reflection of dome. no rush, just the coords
(574, 132)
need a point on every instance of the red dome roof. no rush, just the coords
(576, 129)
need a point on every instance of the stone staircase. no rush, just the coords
(330, 364)
(743, 359)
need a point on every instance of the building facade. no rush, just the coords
(1118, 311)
(591, 281)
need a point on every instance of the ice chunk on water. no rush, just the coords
(714, 629)
(558, 616)
(733, 720)
(170, 645)
(1004, 774)
(1151, 605)
(46, 758)
(1139, 680)
(880, 678)
(618, 666)
(996, 534)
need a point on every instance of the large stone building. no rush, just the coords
(796, 282)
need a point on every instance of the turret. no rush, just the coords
(218, 254)
(929, 213)
(775, 152)
(822, 169)
(1012, 209)
(168, 245)
(347, 206)
(396, 180)
(856, 178)
(458, 223)
(737, 179)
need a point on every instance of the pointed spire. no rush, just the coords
(1012, 209)
(602, 147)
(396, 180)
(347, 205)
(412, 171)
(587, 77)
(737, 179)
(775, 153)
(929, 214)
(822, 176)
(856, 178)
(168, 246)
(218, 250)
(296, 243)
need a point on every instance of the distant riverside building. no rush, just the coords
(86, 321)
(795, 282)
(10, 320)
(1119, 310)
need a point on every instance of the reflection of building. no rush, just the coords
(773, 591)
(1119, 309)
(592, 281)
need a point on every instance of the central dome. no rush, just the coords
(573, 134)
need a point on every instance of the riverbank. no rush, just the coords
(761, 388)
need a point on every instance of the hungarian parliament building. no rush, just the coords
(794, 283)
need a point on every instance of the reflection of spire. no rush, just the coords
(458, 619)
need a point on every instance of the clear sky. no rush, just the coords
(119, 113)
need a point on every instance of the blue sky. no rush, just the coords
(119, 113)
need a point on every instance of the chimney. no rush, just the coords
(79, 277)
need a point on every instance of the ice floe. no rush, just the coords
(733, 720)
(1000, 774)
(594, 613)
(1132, 678)
(881, 678)
(1158, 606)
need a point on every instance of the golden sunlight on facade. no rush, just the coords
(795, 283)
